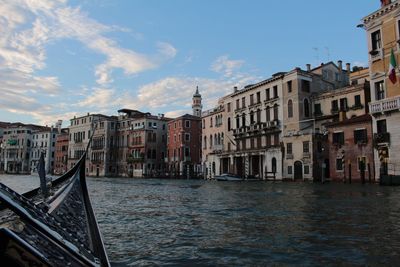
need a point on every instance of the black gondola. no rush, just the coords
(55, 230)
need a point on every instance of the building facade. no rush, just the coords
(43, 141)
(383, 35)
(61, 152)
(184, 146)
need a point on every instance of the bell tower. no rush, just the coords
(197, 106)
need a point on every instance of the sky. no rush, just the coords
(60, 59)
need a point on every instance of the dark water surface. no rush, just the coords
(203, 223)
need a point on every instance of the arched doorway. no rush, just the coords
(298, 170)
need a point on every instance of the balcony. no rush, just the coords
(381, 138)
(271, 100)
(271, 125)
(218, 148)
(385, 105)
(375, 55)
(289, 156)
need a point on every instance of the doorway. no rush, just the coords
(298, 170)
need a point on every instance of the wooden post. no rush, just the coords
(362, 165)
(349, 173)
(369, 172)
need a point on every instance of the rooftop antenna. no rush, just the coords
(316, 54)
(328, 55)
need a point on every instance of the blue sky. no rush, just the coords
(64, 58)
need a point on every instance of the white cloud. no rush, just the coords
(27, 29)
(226, 66)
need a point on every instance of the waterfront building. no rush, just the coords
(43, 141)
(383, 35)
(17, 145)
(80, 131)
(300, 133)
(142, 139)
(3, 126)
(61, 152)
(343, 131)
(184, 146)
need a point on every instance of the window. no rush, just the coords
(243, 120)
(228, 107)
(306, 108)
(289, 86)
(290, 109)
(290, 169)
(360, 136)
(204, 123)
(276, 112)
(343, 104)
(305, 86)
(379, 90)
(243, 102)
(251, 117)
(237, 121)
(237, 104)
(289, 148)
(187, 137)
(339, 164)
(258, 97)
(267, 94)
(268, 113)
(251, 99)
(357, 100)
(229, 124)
(187, 151)
(317, 109)
(187, 124)
(275, 88)
(338, 138)
(334, 106)
(381, 126)
(276, 139)
(306, 169)
(258, 115)
(376, 40)
(211, 122)
(306, 147)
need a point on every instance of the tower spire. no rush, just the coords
(196, 105)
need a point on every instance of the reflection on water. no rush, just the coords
(181, 222)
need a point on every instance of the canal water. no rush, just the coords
(206, 223)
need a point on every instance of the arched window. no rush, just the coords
(276, 112)
(243, 120)
(229, 124)
(290, 108)
(211, 141)
(258, 115)
(306, 108)
(205, 142)
(215, 140)
(268, 113)
(251, 117)
(219, 139)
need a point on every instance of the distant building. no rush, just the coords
(17, 145)
(143, 139)
(43, 141)
(383, 35)
(61, 152)
(184, 146)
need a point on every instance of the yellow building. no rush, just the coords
(383, 36)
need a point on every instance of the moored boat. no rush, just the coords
(57, 228)
(228, 177)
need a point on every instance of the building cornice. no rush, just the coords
(381, 12)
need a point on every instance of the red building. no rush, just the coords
(61, 152)
(184, 146)
(351, 150)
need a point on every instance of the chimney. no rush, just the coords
(348, 68)
(385, 2)
(235, 89)
(308, 67)
(340, 65)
